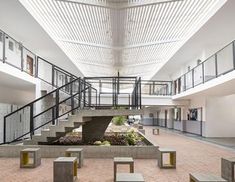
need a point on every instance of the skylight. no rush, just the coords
(104, 36)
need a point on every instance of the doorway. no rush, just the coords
(29, 65)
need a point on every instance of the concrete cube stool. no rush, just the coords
(123, 160)
(65, 169)
(25, 157)
(154, 131)
(129, 177)
(202, 177)
(227, 168)
(172, 158)
(76, 151)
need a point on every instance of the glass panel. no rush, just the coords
(225, 59)
(13, 52)
(1, 46)
(188, 78)
(44, 71)
(209, 69)
(182, 88)
(198, 77)
(17, 124)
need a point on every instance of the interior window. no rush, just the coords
(1, 37)
(11, 45)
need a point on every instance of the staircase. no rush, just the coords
(43, 120)
(56, 131)
(94, 123)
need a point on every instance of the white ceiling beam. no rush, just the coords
(118, 5)
(120, 47)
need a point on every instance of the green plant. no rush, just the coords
(133, 138)
(97, 143)
(119, 120)
(105, 143)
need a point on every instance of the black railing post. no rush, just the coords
(31, 120)
(84, 92)
(140, 99)
(89, 96)
(72, 97)
(53, 75)
(4, 48)
(193, 78)
(22, 56)
(4, 130)
(96, 97)
(216, 66)
(36, 67)
(53, 115)
(203, 73)
(79, 92)
(233, 55)
(57, 100)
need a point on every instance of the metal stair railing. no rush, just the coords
(27, 120)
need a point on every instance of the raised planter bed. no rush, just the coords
(90, 151)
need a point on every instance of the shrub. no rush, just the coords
(133, 138)
(119, 120)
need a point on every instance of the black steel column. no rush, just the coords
(4, 130)
(31, 120)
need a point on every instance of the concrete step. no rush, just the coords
(30, 142)
(38, 138)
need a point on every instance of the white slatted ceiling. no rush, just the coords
(101, 40)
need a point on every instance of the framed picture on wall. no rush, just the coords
(195, 114)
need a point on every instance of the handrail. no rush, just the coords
(202, 71)
(41, 97)
(38, 57)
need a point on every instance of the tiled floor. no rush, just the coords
(192, 156)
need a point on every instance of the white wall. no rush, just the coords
(220, 116)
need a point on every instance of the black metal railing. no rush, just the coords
(113, 92)
(154, 87)
(220, 63)
(45, 111)
(69, 93)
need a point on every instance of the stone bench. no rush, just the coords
(154, 131)
(25, 158)
(123, 161)
(202, 177)
(65, 169)
(129, 177)
(227, 168)
(172, 158)
(76, 151)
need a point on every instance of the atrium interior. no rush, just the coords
(117, 90)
